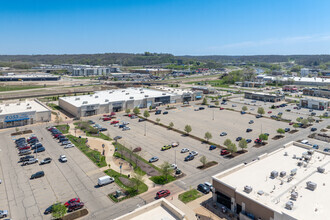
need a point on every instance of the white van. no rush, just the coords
(105, 180)
(304, 142)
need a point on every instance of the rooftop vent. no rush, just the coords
(311, 185)
(283, 174)
(310, 152)
(107, 100)
(18, 104)
(29, 107)
(289, 205)
(27, 104)
(146, 96)
(127, 93)
(260, 192)
(77, 99)
(131, 97)
(123, 91)
(247, 189)
(96, 96)
(274, 174)
(141, 92)
(84, 102)
(7, 104)
(90, 95)
(321, 169)
(293, 171)
(163, 93)
(294, 196)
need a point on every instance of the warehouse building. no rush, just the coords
(266, 97)
(186, 94)
(316, 103)
(290, 183)
(23, 113)
(116, 100)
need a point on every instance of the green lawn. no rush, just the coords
(190, 195)
(63, 128)
(94, 155)
(22, 87)
(90, 131)
(54, 106)
(131, 161)
(161, 180)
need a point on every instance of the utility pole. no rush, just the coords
(175, 156)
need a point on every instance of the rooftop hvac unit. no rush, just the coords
(123, 91)
(282, 174)
(27, 104)
(274, 174)
(163, 93)
(321, 169)
(90, 95)
(77, 99)
(293, 171)
(311, 185)
(84, 102)
(247, 189)
(29, 107)
(146, 96)
(96, 96)
(294, 195)
(107, 100)
(307, 157)
(310, 152)
(260, 192)
(289, 205)
(7, 104)
(286, 154)
(141, 92)
(131, 97)
(18, 104)
(127, 93)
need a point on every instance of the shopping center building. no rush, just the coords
(23, 113)
(103, 102)
(290, 183)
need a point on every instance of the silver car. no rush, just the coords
(3, 213)
(126, 128)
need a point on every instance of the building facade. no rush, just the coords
(325, 93)
(314, 103)
(266, 97)
(290, 88)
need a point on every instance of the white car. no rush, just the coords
(3, 213)
(116, 125)
(63, 158)
(194, 153)
(68, 146)
(126, 128)
(125, 123)
(174, 166)
(184, 150)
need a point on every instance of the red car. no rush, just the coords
(291, 123)
(75, 206)
(162, 193)
(31, 138)
(56, 135)
(130, 115)
(106, 119)
(114, 122)
(113, 113)
(258, 141)
(74, 200)
(26, 147)
(270, 112)
(224, 152)
(51, 128)
(222, 108)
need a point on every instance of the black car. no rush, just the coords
(37, 175)
(103, 129)
(165, 113)
(238, 138)
(258, 116)
(40, 149)
(287, 129)
(313, 129)
(19, 139)
(248, 130)
(26, 158)
(204, 189)
(201, 108)
(158, 112)
(117, 138)
(38, 145)
(33, 141)
(63, 139)
(60, 136)
(189, 157)
(50, 209)
(141, 119)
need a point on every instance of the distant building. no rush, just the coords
(265, 97)
(304, 72)
(92, 71)
(29, 77)
(206, 90)
(187, 95)
(259, 84)
(325, 93)
(290, 88)
(151, 71)
(315, 103)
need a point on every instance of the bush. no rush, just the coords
(161, 180)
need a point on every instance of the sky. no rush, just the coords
(179, 27)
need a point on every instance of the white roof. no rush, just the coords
(117, 95)
(177, 91)
(309, 205)
(307, 79)
(21, 107)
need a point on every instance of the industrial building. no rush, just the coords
(315, 103)
(325, 93)
(116, 100)
(290, 183)
(23, 113)
(29, 77)
(186, 94)
(266, 97)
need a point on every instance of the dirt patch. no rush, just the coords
(207, 165)
(76, 214)
(169, 108)
(185, 105)
(278, 137)
(126, 181)
(21, 132)
(324, 130)
(293, 131)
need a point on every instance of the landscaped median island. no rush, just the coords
(94, 155)
(63, 128)
(131, 186)
(190, 195)
(90, 131)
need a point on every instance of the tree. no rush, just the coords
(58, 210)
(227, 142)
(203, 160)
(136, 110)
(232, 148)
(299, 119)
(157, 120)
(216, 102)
(150, 107)
(165, 169)
(187, 129)
(304, 122)
(128, 111)
(310, 119)
(244, 108)
(263, 137)
(208, 136)
(171, 125)
(242, 144)
(280, 131)
(261, 110)
(137, 180)
(204, 101)
(146, 114)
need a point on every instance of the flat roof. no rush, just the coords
(30, 76)
(175, 90)
(314, 98)
(277, 192)
(21, 107)
(159, 209)
(263, 93)
(116, 95)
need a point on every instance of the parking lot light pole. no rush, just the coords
(145, 128)
(213, 113)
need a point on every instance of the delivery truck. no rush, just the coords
(105, 180)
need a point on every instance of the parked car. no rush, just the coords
(106, 119)
(71, 201)
(137, 149)
(251, 122)
(63, 139)
(153, 159)
(238, 138)
(266, 134)
(326, 149)
(184, 150)
(315, 146)
(117, 138)
(287, 129)
(126, 128)
(91, 122)
(209, 185)
(46, 160)
(50, 209)
(212, 147)
(165, 113)
(196, 109)
(258, 116)
(26, 147)
(114, 122)
(65, 143)
(201, 108)
(189, 157)
(40, 149)
(224, 152)
(24, 152)
(37, 145)
(174, 166)
(30, 161)
(248, 140)
(258, 141)
(175, 144)
(166, 147)
(162, 193)
(26, 158)
(158, 112)
(270, 112)
(233, 105)
(63, 158)
(141, 119)
(248, 130)
(202, 188)
(223, 134)
(194, 153)
(222, 108)
(37, 175)
(75, 206)
(313, 129)
(103, 129)
(122, 126)
(105, 180)
(68, 146)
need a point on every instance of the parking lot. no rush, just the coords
(28, 199)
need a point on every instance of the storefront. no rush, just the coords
(16, 120)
